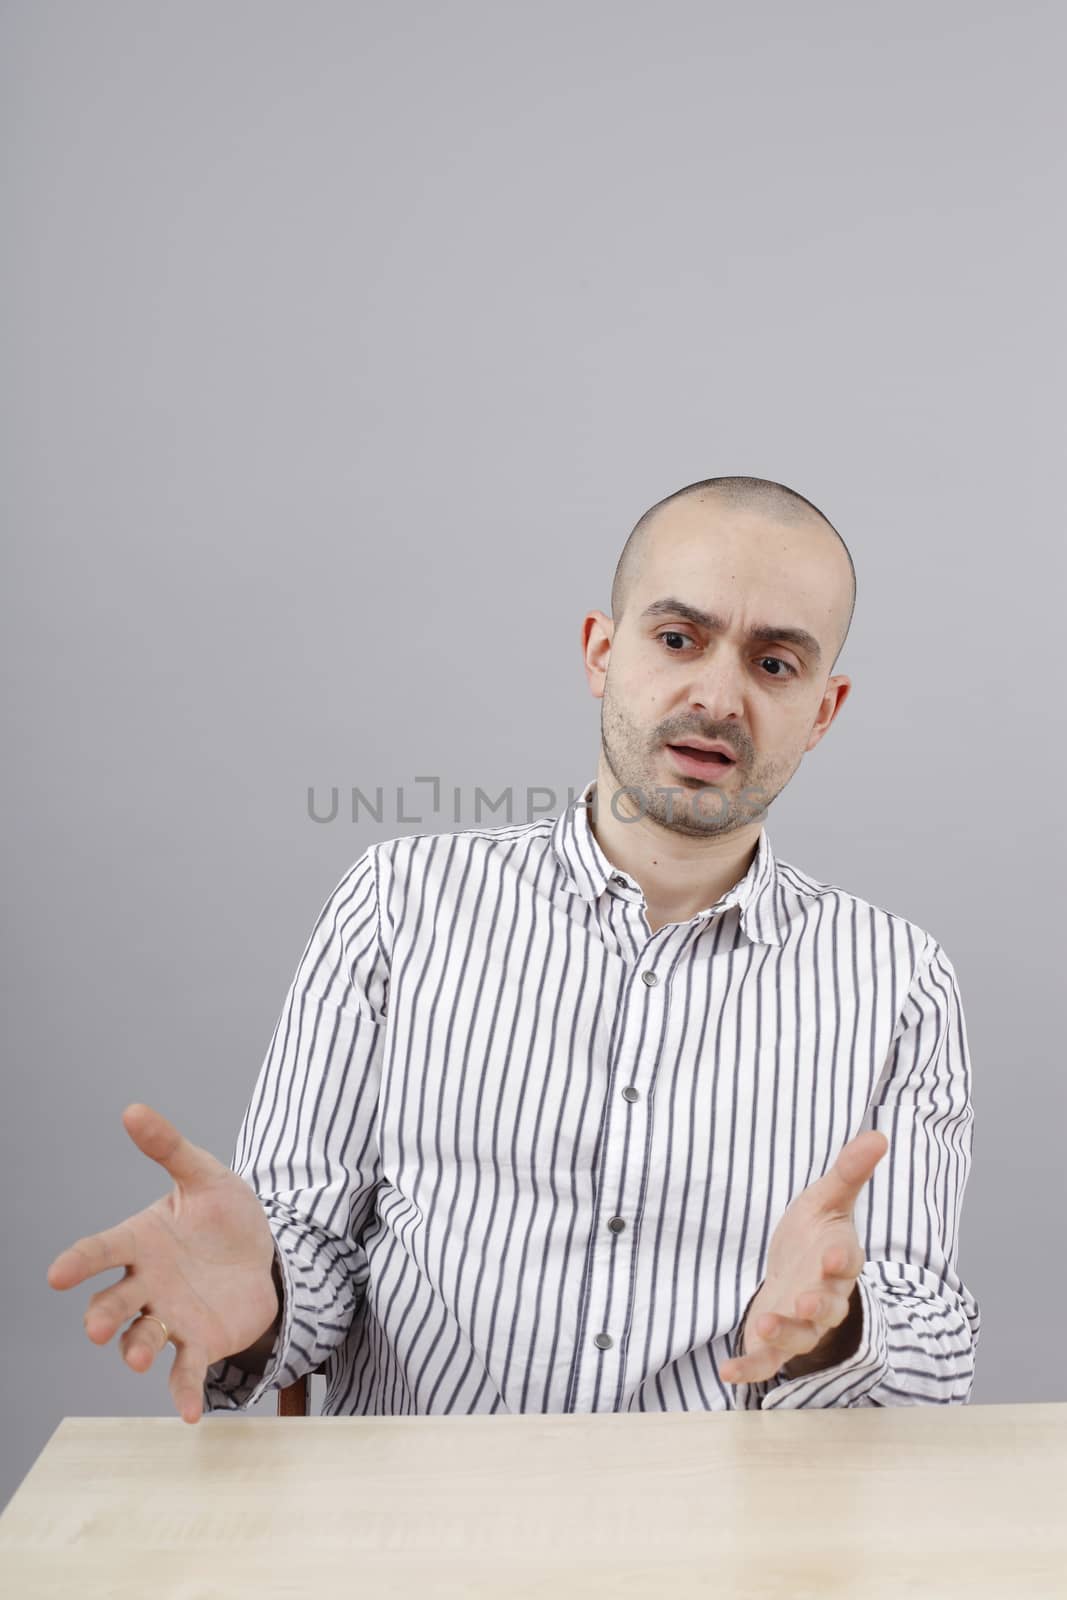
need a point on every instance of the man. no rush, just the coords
(607, 1112)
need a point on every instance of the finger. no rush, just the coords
(841, 1286)
(141, 1343)
(108, 1309)
(823, 1309)
(797, 1335)
(97, 1252)
(773, 1347)
(840, 1264)
(754, 1368)
(186, 1382)
(161, 1141)
(839, 1188)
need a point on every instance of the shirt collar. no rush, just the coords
(588, 872)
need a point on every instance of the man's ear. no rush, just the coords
(834, 697)
(597, 633)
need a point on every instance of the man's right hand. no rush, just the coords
(200, 1258)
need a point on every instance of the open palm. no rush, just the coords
(200, 1258)
(813, 1261)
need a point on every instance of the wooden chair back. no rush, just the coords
(294, 1400)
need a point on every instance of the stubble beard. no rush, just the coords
(673, 800)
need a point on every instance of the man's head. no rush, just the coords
(731, 603)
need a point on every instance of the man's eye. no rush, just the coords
(672, 633)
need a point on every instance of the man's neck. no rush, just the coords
(679, 873)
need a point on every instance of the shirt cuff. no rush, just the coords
(228, 1387)
(847, 1383)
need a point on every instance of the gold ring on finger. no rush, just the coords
(147, 1316)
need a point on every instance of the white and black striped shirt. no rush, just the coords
(520, 1155)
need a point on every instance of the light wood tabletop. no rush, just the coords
(923, 1501)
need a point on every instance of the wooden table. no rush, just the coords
(918, 1501)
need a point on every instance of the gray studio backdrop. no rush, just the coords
(344, 345)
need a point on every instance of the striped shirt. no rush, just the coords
(520, 1154)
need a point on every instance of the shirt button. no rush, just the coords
(649, 978)
(630, 1094)
(618, 878)
(616, 1224)
(603, 1341)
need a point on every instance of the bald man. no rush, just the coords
(731, 604)
(607, 1111)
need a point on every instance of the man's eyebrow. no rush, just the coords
(764, 633)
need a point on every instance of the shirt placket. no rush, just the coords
(606, 1302)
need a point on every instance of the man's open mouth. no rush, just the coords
(714, 758)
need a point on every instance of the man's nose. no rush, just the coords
(717, 690)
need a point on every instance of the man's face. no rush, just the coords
(664, 675)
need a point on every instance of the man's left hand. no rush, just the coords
(813, 1262)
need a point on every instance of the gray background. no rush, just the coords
(345, 344)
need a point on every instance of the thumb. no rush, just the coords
(838, 1189)
(159, 1139)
